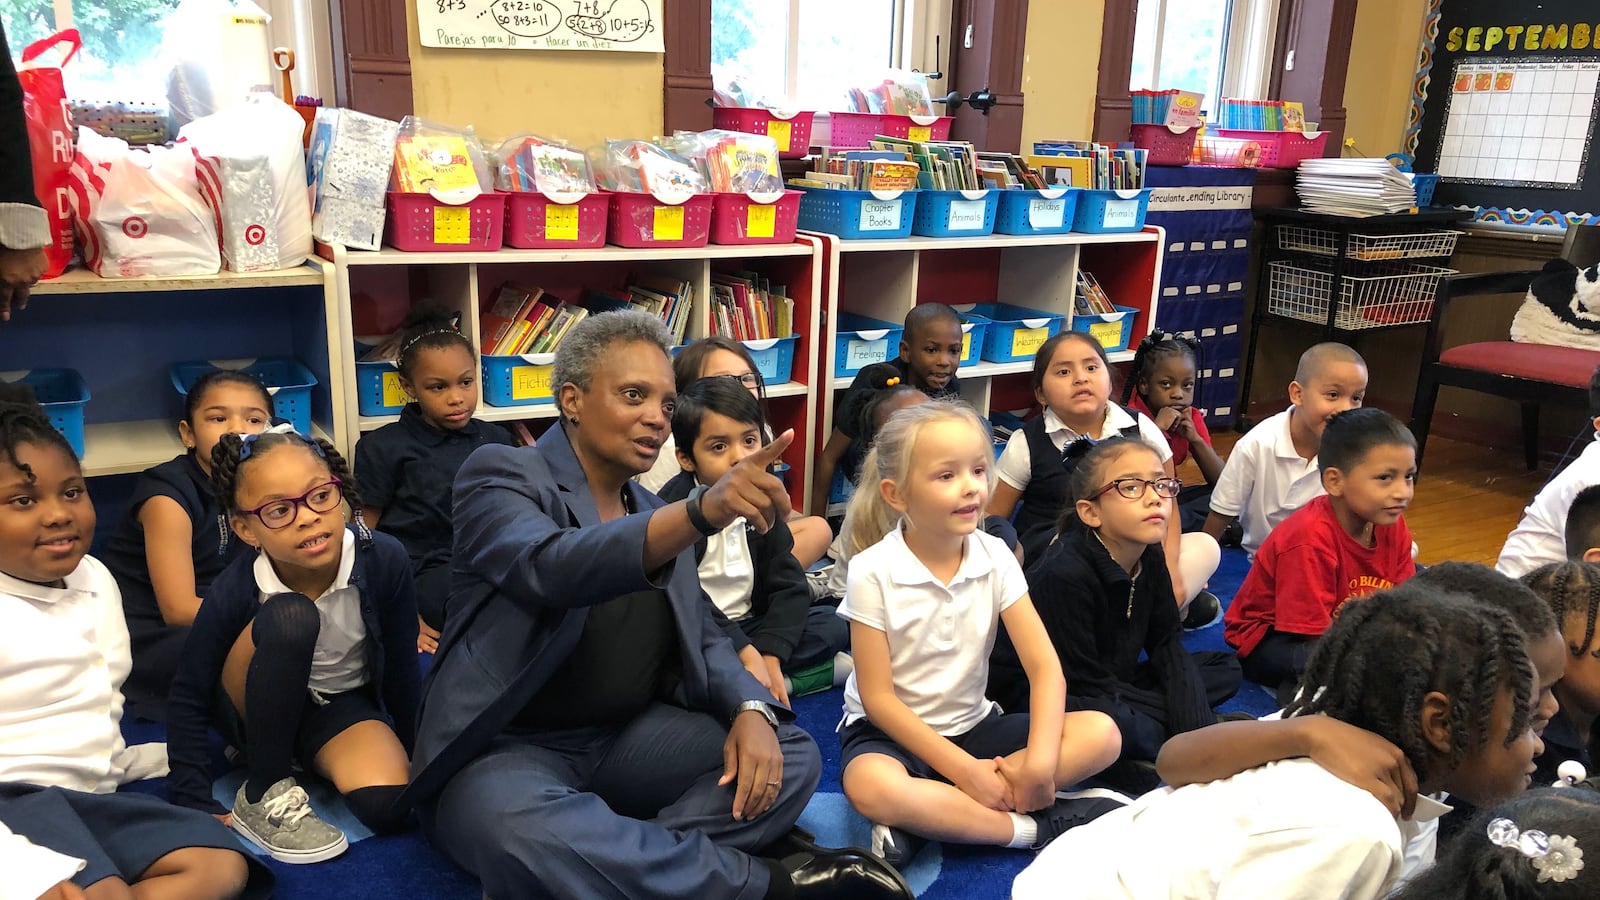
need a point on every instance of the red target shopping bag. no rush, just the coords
(139, 212)
(44, 102)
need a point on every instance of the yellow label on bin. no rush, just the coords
(393, 393)
(530, 382)
(668, 224)
(919, 133)
(560, 222)
(1027, 341)
(452, 224)
(762, 220)
(778, 130)
(1109, 334)
(966, 345)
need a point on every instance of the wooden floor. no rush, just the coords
(1467, 501)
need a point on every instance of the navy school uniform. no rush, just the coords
(407, 470)
(157, 646)
(382, 576)
(1049, 488)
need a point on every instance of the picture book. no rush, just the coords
(432, 162)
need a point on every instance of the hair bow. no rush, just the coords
(1556, 857)
(247, 441)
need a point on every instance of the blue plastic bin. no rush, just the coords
(63, 395)
(859, 215)
(518, 380)
(955, 213)
(1036, 212)
(774, 358)
(862, 341)
(973, 329)
(1110, 212)
(1112, 330)
(1425, 183)
(1014, 332)
(288, 382)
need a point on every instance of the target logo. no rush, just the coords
(135, 227)
(254, 235)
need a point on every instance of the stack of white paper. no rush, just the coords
(1355, 187)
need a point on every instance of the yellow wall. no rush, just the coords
(580, 96)
(1383, 64)
(1059, 66)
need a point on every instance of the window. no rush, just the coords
(811, 51)
(1222, 48)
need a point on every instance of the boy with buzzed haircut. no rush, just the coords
(1540, 536)
(1272, 471)
(1583, 526)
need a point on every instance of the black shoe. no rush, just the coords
(1074, 808)
(848, 874)
(896, 846)
(1233, 535)
(1235, 716)
(1131, 776)
(1203, 611)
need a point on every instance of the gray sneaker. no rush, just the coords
(283, 824)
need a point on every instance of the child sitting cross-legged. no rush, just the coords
(752, 578)
(1340, 546)
(1445, 679)
(64, 831)
(924, 753)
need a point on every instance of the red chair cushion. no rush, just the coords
(1548, 363)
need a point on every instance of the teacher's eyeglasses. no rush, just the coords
(1134, 488)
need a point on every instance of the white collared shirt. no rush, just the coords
(1289, 830)
(30, 869)
(939, 635)
(1015, 466)
(1264, 480)
(727, 574)
(339, 662)
(63, 658)
(1541, 535)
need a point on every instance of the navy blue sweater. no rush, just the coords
(382, 576)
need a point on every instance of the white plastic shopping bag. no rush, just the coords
(251, 169)
(138, 212)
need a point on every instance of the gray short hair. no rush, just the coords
(584, 344)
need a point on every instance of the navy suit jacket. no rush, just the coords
(531, 557)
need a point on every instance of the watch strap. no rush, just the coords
(760, 706)
(697, 515)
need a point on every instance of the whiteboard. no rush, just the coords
(628, 25)
(1518, 123)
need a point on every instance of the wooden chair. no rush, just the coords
(1527, 373)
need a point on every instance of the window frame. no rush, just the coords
(901, 36)
(1244, 70)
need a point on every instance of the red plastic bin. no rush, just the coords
(421, 222)
(742, 219)
(791, 130)
(1282, 149)
(857, 129)
(535, 222)
(1167, 146)
(643, 221)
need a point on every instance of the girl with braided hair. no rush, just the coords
(1163, 383)
(1531, 848)
(1573, 591)
(1443, 678)
(303, 652)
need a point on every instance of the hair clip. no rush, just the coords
(1555, 857)
(892, 381)
(1569, 773)
(407, 345)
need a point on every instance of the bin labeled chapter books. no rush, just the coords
(859, 215)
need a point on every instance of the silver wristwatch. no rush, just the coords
(761, 707)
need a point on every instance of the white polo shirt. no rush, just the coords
(1015, 466)
(1288, 830)
(1541, 536)
(727, 574)
(63, 658)
(30, 869)
(1264, 480)
(939, 635)
(339, 662)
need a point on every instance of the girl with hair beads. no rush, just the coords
(1539, 846)
(923, 753)
(64, 831)
(407, 468)
(329, 683)
(1444, 678)
(1102, 589)
(1072, 381)
(1573, 591)
(1162, 385)
(174, 538)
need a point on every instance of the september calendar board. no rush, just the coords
(629, 25)
(1518, 123)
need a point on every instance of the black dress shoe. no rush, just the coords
(848, 874)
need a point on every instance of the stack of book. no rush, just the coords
(745, 306)
(892, 163)
(527, 320)
(666, 297)
(1354, 187)
(1091, 298)
(1261, 115)
(1090, 165)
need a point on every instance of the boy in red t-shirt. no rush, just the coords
(1332, 550)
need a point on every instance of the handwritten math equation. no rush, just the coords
(542, 24)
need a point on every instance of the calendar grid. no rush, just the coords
(1515, 123)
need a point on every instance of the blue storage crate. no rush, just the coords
(1110, 212)
(859, 215)
(1048, 211)
(518, 380)
(63, 395)
(1014, 332)
(1425, 183)
(862, 341)
(288, 382)
(955, 213)
(774, 358)
(1112, 330)
(840, 489)
(973, 329)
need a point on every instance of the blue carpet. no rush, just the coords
(406, 866)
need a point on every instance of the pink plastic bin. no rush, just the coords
(858, 129)
(737, 219)
(420, 222)
(641, 221)
(792, 130)
(1282, 149)
(1167, 146)
(534, 222)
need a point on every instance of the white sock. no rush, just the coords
(1024, 831)
(843, 665)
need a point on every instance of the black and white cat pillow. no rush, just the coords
(1562, 307)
